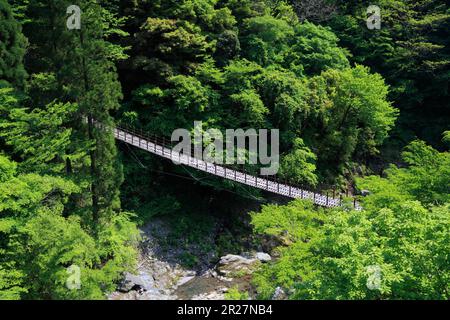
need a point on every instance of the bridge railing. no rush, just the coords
(163, 148)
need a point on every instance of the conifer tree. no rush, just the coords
(12, 47)
(94, 85)
(82, 62)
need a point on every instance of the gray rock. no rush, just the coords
(234, 259)
(191, 273)
(155, 294)
(263, 257)
(279, 294)
(142, 281)
(223, 290)
(365, 193)
(209, 296)
(132, 295)
(232, 264)
(159, 297)
(184, 280)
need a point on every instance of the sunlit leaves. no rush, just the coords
(396, 248)
(299, 165)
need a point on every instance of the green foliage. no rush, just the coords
(299, 166)
(409, 245)
(175, 40)
(411, 50)
(39, 240)
(233, 294)
(231, 64)
(266, 37)
(160, 207)
(294, 225)
(303, 48)
(39, 136)
(396, 248)
(351, 109)
(446, 137)
(426, 179)
(316, 49)
(12, 47)
(263, 69)
(7, 169)
(67, 174)
(284, 221)
(249, 105)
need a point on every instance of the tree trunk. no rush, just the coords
(92, 153)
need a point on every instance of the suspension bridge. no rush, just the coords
(159, 147)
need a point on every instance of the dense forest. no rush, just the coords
(359, 110)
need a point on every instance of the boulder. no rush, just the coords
(263, 257)
(184, 280)
(279, 294)
(155, 294)
(230, 265)
(214, 296)
(136, 282)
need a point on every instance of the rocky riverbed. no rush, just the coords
(164, 271)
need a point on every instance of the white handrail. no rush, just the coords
(226, 173)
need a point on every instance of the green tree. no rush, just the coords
(425, 179)
(12, 47)
(352, 117)
(411, 51)
(60, 202)
(39, 137)
(82, 62)
(396, 248)
(40, 239)
(316, 48)
(299, 165)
